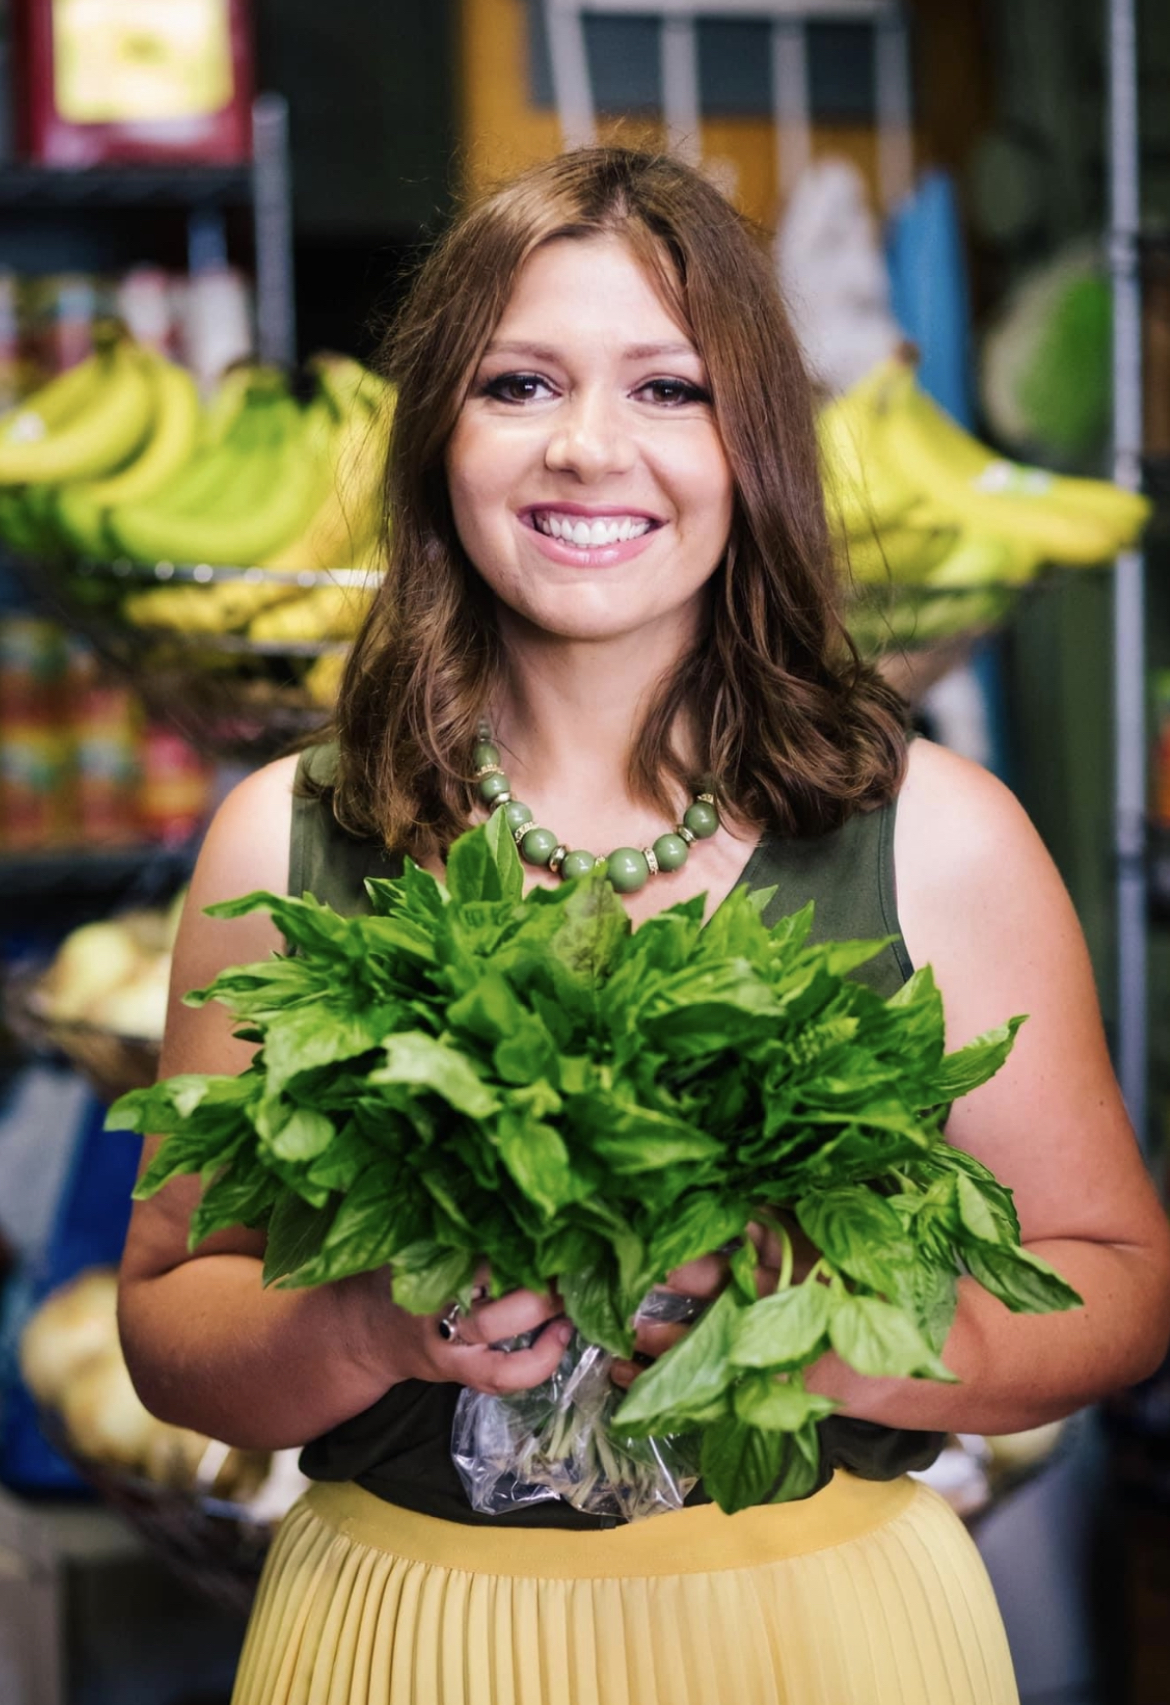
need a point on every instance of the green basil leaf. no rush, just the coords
(785, 1330)
(968, 1067)
(858, 1232)
(296, 1235)
(692, 1373)
(799, 1467)
(779, 1405)
(420, 1062)
(740, 1464)
(1022, 1281)
(426, 1276)
(590, 1304)
(535, 1155)
(744, 1264)
(881, 1342)
(502, 847)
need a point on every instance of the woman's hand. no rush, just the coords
(705, 1278)
(422, 1352)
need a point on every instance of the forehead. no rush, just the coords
(578, 286)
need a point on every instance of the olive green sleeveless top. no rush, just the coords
(399, 1448)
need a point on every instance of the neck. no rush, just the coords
(568, 710)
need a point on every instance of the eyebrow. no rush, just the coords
(635, 352)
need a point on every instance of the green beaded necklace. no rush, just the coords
(627, 868)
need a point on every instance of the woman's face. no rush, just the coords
(588, 481)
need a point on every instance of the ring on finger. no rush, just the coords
(448, 1324)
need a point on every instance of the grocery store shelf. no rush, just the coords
(91, 870)
(54, 187)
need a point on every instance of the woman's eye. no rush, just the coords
(673, 392)
(516, 387)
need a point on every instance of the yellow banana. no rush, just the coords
(864, 493)
(961, 479)
(327, 612)
(987, 561)
(82, 507)
(346, 521)
(99, 437)
(53, 404)
(323, 680)
(223, 607)
(902, 553)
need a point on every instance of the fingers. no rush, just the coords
(508, 1317)
(705, 1277)
(501, 1372)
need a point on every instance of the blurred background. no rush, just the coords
(208, 212)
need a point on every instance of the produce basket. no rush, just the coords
(215, 1546)
(918, 634)
(110, 1063)
(232, 696)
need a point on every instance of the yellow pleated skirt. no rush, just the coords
(866, 1594)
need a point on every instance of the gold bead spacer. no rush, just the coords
(685, 834)
(501, 799)
(520, 831)
(706, 798)
(489, 770)
(559, 855)
(648, 855)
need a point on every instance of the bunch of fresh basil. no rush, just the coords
(470, 1074)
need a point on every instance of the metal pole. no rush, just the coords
(276, 325)
(680, 88)
(1129, 657)
(790, 103)
(895, 107)
(572, 88)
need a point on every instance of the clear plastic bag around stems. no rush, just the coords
(558, 1440)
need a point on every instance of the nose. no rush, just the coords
(589, 438)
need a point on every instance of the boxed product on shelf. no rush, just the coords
(134, 81)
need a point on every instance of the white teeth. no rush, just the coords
(586, 535)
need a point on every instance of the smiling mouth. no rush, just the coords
(590, 534)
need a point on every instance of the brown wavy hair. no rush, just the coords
(796, 731)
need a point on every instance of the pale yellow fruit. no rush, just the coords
(90, 962)
(75, 1324)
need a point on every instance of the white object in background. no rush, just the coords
(956, 707)
(143, 300)
(833, 274)
(219, 328)
(38, 1136)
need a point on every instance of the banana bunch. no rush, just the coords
(86, 423)
(324, 498)
(920, 506)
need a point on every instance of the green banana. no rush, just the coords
(268, 498)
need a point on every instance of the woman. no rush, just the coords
(609, 540)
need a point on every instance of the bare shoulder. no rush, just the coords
(953, 816)
(979, 896)
(246, 848)
(967, 855)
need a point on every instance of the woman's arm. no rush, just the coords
(207, 1346)
(980, 900)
